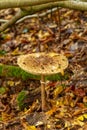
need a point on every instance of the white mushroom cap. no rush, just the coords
(43, 63)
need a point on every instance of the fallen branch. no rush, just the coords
(4, 4)
(36, 15)
(3, 21)
(31, 16)
(33, 9)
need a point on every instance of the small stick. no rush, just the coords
(59, 23)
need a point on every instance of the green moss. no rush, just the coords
(2, 90)
(15, 71)
(20, 98)
(2, 52)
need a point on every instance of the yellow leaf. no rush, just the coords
(60, 102)
(43, 35)
(62, 114)
(67, 124)
(80, 123)
(31, 128)
(67, 14)
(72, 104)
(81, 118)
(10, 83)
(48, 126)
(85, 115)
(57, 91)
(16, 51)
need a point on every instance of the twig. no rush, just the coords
(36, 15)
(30, 16)
(3, 21)
(59, 23)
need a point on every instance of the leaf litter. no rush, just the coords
(67, 100)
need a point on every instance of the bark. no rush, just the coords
(4, 4)
(67, 4)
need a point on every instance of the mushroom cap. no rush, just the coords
(43, 63)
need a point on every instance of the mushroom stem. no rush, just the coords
(43, 95)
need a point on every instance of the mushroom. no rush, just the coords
(43, 64)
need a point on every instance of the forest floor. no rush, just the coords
(66, 99)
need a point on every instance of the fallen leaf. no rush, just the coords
(10, 83)
(50, 112)
(85, 115)
(81, 118)
(57, 91)
(31, 128)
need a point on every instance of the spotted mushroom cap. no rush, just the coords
(43, 63)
